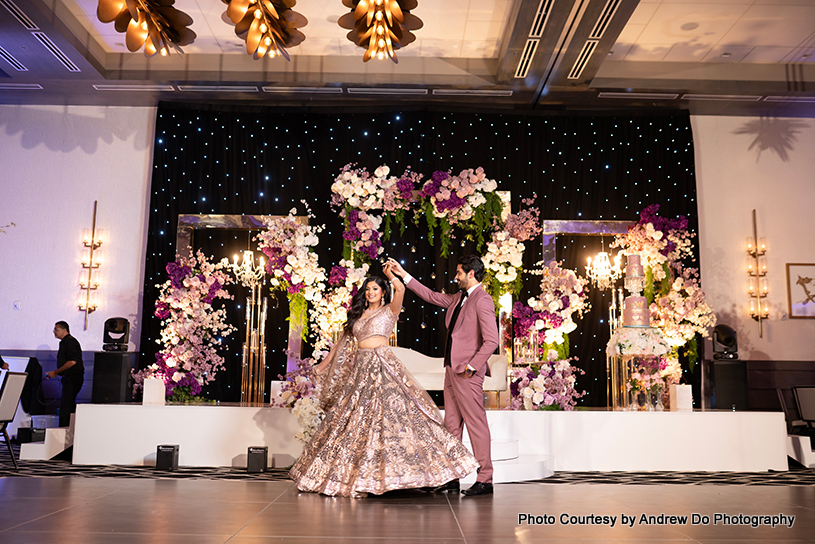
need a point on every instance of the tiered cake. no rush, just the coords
(635, 310)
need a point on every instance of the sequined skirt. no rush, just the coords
(383, 433)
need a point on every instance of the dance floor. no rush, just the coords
(55, 501)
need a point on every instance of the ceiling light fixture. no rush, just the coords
(153, 24)
(380, 26)
(268, 26)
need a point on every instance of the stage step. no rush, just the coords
(800, 448)
(501, 450)
(57, 440)
(522, 469)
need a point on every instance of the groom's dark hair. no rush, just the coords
(472, 262)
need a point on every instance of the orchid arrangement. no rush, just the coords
(648, 374)
(639, 342)
(504, 257)
(309, 415)
(449, 200)
(191, 327)
(292, 264)
(330, 312)
(563, 298)
(682, 312)
(548, 386)
(660, 242)
(362, 234)
(676, 302)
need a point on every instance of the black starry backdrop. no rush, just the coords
(238, 160)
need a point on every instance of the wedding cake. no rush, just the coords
(635, 311)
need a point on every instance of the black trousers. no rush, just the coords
(67, 405)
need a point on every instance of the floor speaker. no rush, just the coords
(112, 380)
(167, 457)
(730, 384)
(257, 458)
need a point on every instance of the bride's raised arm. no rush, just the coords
(398, 290)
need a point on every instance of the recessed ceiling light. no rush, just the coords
(725, 55)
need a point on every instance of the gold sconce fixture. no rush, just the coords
(380, 26)
(153, 24)
(253, 366)
(757, 288)
(89, 277)
(267, 26)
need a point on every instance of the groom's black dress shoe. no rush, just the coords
(478, 488)
(452, 485)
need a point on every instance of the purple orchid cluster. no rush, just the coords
(191, 328)
(548, 386)
(525, 224)
(663, 225)
(338, 275)
(525, 319)
(299, 383)
(361, 229)
(433, 185)
(178, 273)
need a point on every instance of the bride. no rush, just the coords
(381, 431)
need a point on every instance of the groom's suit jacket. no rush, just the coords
(475, 336)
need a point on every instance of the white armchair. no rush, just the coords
(429, 371)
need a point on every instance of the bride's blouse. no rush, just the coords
(380, 323)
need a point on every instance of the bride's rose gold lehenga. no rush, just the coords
(381, 431)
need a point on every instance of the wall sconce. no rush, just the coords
(757, 288)
(91, 261)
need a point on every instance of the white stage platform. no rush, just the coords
(209, 435)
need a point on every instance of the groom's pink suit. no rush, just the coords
(474, 339)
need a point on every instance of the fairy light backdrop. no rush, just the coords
(239, 160)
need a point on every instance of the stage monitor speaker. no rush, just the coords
(167, 457)
(730, 384)
(257, 458)
(112, 380)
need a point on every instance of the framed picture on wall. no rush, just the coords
(801, 290)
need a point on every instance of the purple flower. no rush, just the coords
(162, 310)
(338, 275)
(405, 188)
(177, 273)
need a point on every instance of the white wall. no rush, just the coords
(766, 164)
(54, 162)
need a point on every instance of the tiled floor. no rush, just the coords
(125, 511)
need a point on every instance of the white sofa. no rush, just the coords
(429, 371)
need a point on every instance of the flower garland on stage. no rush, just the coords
(467, 201)
(677, 303)
(545, 386)
(191, 327)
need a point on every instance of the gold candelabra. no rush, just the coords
(253, 363)
(89, 277)
(757, 288)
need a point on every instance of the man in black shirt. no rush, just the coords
(70, 367)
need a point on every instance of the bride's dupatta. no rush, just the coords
(331, 374)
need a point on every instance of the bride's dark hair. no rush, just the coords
(359, 304)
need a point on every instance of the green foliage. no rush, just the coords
(691, 351)
(182, 395)
(297, 313)
(562, 350)
(648, 292)
(386, 227)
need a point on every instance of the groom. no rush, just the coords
(472, 336)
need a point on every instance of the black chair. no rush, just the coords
(10, 393)
(795, 425)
